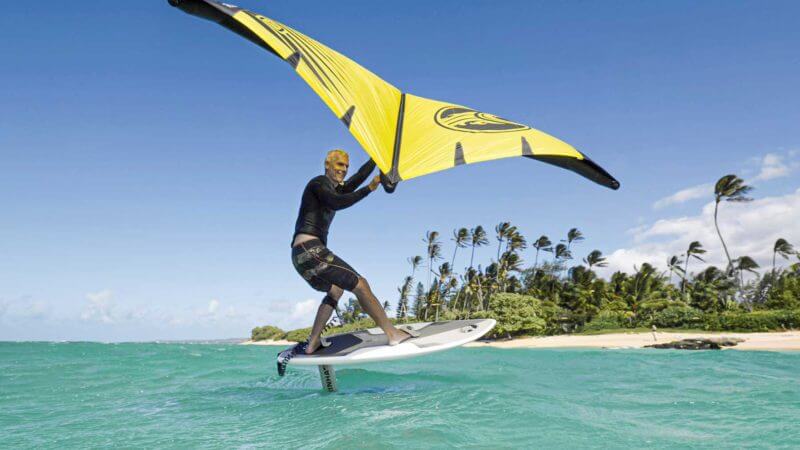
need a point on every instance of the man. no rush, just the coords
(324, 271)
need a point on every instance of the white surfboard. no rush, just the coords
(372, 345)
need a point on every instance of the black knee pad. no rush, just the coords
(330, 301)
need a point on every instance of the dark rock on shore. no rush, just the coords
(699, 344)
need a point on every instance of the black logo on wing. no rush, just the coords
(458, 118)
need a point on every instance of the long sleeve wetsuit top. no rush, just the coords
(322, 198)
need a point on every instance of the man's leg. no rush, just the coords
(324, 312)
(373, 307)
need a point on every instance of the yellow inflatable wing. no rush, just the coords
(407, 136)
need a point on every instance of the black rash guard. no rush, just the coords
(321, 200)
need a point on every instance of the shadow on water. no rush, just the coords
(303, 383)
(363, 381)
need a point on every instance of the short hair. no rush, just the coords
(336, 151)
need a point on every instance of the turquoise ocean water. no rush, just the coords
(71, 395)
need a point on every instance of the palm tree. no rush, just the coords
(477, 239)
(415, 261)
(562, 253)
(644, 279)
(731, 189)
(419, 300)
(595, 258)
(745, 263)
(782, 247)
(573, 235)
(402, 304)
(695, 249)
(469, 289)
(434, 251)
(674, 265)
(442, 286)
(543, 244)
(516, 241)
(460, 237)
(501, 229)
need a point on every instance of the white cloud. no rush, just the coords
(232, 313)
(684, 195)
(35, 310)
(304, 310)
(213, 306)
(772, 166)
(748, 228)
(25, 307)
(768, 167)
(100, 307)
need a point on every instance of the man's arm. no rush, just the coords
(328, 196)
(352, 183)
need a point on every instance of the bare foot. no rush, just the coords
(313, 345)
(398, 337)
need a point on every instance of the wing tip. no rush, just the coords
(584, 167)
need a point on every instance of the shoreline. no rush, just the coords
(771, 341)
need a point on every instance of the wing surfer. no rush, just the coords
(321, 268)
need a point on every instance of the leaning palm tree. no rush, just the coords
(516, 242)
(573, 235)
(501, 229)
(595, 258)
(512, 235)
(477, 239)
(674, 265)
(442, 287)
(434, 251)
(402, 304)
(731, 189)
(561, 253)
(460, 237)
(415, 261)
(643, 281)
(742, 264)
(782, 247)
(543, 244)
(419, 301)
(695, 249)
(468, 282)
(510, 261)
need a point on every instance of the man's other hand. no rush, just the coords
(375, 183)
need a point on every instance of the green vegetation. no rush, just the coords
(266, 333)
(358, 324)
(554, 296)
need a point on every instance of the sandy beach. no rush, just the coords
(788, 340)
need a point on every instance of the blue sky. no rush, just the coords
(151, 163)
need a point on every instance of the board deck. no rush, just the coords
(372, 345)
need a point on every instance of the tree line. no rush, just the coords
(577, 295)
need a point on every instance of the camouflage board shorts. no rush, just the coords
(321, 268)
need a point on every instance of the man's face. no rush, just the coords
(336, 167)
